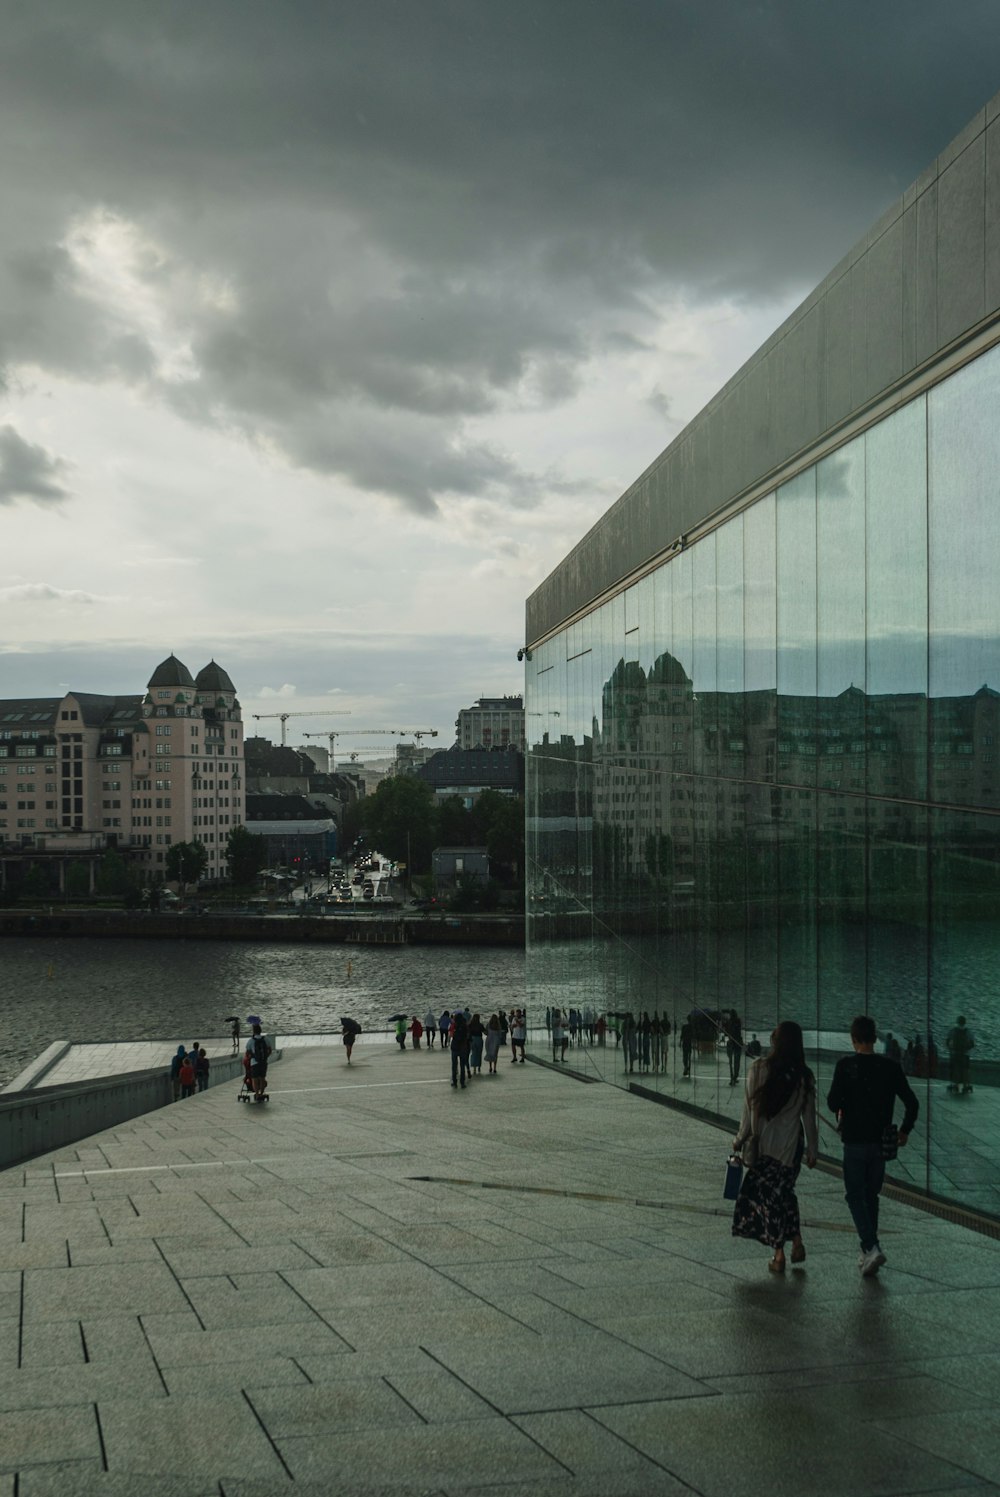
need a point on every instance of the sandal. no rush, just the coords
(799, 1253)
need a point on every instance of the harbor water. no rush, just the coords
(179, 991)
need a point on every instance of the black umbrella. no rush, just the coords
(394, 1018)
(351, 1024)
(231, 1019)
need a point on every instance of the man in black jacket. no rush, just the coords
(863, 1095)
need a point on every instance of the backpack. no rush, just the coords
(261, 1050)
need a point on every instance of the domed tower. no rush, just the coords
(215, 689)
(170, 677)
(222, 768)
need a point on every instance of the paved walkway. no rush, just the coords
(247, 1300)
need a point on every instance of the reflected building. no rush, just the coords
(763, 695)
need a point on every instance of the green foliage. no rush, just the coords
(34, 884)
(186, 862)
(77, 881)
(455, 824)
(400, 820)
(499, 825)
(113, 875)
(246, 854)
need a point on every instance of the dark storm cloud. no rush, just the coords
(28, 471)
(425, 211)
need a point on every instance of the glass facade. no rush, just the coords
(765, 781)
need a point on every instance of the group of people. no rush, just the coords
(778, 1129)
(189, 1071)
(468, 1038)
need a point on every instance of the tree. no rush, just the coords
(77, 880)
(112, 873)
(455, 823)
(186, 862)
(400, 820)
(246, 855)
(499, 820)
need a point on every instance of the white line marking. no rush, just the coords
(360, 1086)
(145, 1169)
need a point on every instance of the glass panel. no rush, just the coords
(762, 803)
(964, 984)
(796, 533)
(896, 606)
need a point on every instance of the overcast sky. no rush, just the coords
(327, 327)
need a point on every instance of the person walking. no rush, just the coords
(201, 1069)
(416, 1032)
(518, 1034)
(459, 1049)
(444, 1028)
(258, 1050)
(733, 1030)
(959, 1043)
(560, 1039)
(779, 1102)
(175, 1071)
(687, 1040)
(477, 1035)
(863, 1097)
(430, 1027)
(401, 1033)
(187, 1076)
(492, 1043)
(349, 1032)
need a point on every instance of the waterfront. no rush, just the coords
(135, 990)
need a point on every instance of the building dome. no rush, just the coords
(213, 678)
(171, 672)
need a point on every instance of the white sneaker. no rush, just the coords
(872, 1262)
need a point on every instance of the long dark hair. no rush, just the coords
(784, 1070)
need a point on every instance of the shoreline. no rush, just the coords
(401, 930)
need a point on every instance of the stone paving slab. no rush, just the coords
(278, 1293)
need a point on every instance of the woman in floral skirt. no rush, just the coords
(780, 1102)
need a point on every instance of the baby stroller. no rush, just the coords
(246, 1092)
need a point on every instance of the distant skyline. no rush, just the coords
(327, 330)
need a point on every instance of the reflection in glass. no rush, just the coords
(764, 780)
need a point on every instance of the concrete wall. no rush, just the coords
(40, 1120)
(924, 278)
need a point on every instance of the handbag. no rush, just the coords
(734, 1178)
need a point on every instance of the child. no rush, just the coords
(187, 1077)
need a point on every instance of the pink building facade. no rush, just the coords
(134, 772)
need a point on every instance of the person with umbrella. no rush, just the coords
(400, 1021)
(349, 1029)
(234, 1021)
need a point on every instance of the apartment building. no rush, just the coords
(133, 772)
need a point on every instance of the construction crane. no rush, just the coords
(370, 733)
(322, 712)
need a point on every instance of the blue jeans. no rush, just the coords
(864, 1172)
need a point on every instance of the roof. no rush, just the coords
(290, 828)
(482, 767)
(171, 672)
(212, 677)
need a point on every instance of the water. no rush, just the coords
(178, 991)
